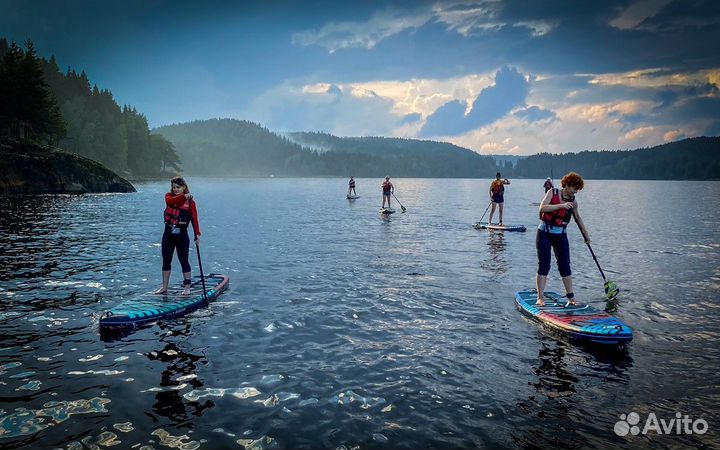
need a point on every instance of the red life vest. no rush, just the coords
(560, 217)
(498, 187)
(178, 215)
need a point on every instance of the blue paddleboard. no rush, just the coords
(150, 307)
(494, 226)
(583, 322)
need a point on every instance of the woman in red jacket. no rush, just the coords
(180, 211)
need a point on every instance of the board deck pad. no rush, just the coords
(580, 321)
(150, 307)
(494, 226)
(387, 211)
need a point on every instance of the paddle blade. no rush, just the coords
(611, 290)
(403, 208)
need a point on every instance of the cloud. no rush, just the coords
(534, 114)
(509, 91)
(338, 109)
(381, 25)
(410, 118)
(462, 17)
(635, 14)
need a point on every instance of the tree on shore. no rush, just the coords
(28, 108)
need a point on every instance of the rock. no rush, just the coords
(27, 168)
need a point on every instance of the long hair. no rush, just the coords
(180, 181)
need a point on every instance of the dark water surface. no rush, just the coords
(342, 329)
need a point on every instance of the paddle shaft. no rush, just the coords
(401, 205)
(486, 210)
(588, 244)
(197, 248)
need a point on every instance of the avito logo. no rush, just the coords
(681, 424)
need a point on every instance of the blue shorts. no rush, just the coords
(498, 198)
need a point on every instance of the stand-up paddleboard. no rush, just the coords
(494, 226)
(387, 211)
(582, 322)
(151, 307)
(352, 197)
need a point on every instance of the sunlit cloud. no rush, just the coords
(657, 77)
(635, 14)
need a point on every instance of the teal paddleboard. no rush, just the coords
(150, 307)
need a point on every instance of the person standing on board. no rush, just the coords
(387, 189)
(351, 187)
(497, 195)
(180, 211)
(548, 184)
(557, 207)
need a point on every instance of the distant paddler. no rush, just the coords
(497, 196)
(548, 184)
(351, 188)
(387, 189)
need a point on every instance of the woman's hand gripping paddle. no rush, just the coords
(611, 289)
(401, 206)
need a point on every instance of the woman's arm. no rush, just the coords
(580, 223)
(546, 207)
(195, 219)
(174, 200)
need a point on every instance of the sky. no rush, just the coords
(508, 77)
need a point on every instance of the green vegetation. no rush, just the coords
(688, 159)
(226, 147)
(41, 103)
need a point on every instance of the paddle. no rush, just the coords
(611, 289)
(202, 275)
(486, 210)
(401, 206)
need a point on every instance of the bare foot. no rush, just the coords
(161, 291)
(186, 290)
(540, 302)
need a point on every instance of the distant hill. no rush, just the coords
(228, 147)
(689, 159)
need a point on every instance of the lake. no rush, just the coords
(344, 329)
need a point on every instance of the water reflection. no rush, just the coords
(567, 375)
(179, 374)
(497, 262)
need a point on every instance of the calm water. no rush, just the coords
(345, 330)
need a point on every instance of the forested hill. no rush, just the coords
(688, 159)
(42, 104)
(234, 147)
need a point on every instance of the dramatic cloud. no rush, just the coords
(534, 114)
(509, 91)
(636, 13)
(338, 35)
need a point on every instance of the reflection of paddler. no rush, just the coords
(556, 209)
(497, 195)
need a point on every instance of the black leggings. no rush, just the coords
(170, 242)
(559, 243)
